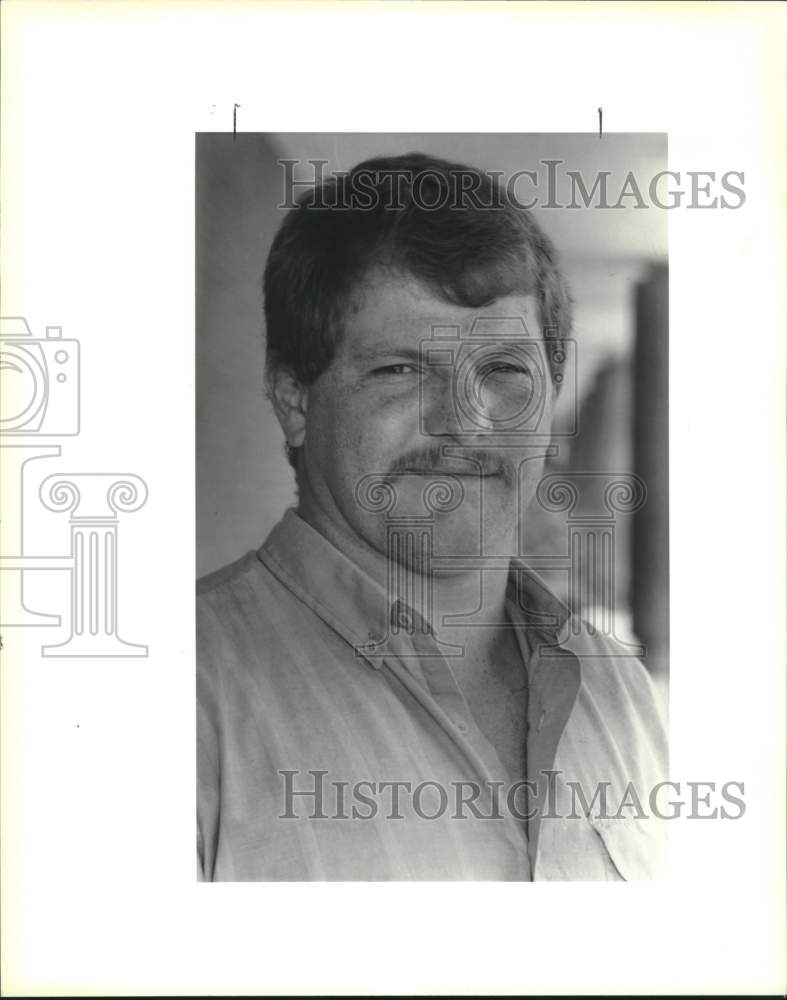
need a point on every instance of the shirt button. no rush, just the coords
(404, 619)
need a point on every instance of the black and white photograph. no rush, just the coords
(432, 370)
(392, 436)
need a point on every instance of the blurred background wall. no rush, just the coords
(615, 260)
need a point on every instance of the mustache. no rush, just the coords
(471, 462)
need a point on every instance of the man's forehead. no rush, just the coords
(387, 312)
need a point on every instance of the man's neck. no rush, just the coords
(479, 596)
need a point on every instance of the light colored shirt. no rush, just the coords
(335, 744)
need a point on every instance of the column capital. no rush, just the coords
(377, 494)
(93, 495)
(592, 495)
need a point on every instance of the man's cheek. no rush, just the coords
(347, 423)
(396, 421)
(385, 434)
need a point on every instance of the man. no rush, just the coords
(385, 690)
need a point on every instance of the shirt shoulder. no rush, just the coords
(226, 575)
(250, 621)
(617, 688)
(237, 597)
(615, 672)
(234, 613)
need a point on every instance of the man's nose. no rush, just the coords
(438, 416)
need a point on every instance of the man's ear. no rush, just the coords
(289, 398)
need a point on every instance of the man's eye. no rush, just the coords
(505, 368)
(400, 369)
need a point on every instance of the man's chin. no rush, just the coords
(467, 540)
(476, 524)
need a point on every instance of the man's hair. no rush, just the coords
(473, 247)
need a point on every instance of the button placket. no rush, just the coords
(434, 668)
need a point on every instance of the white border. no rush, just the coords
(100, 107)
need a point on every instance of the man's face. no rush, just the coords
(478, 412)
